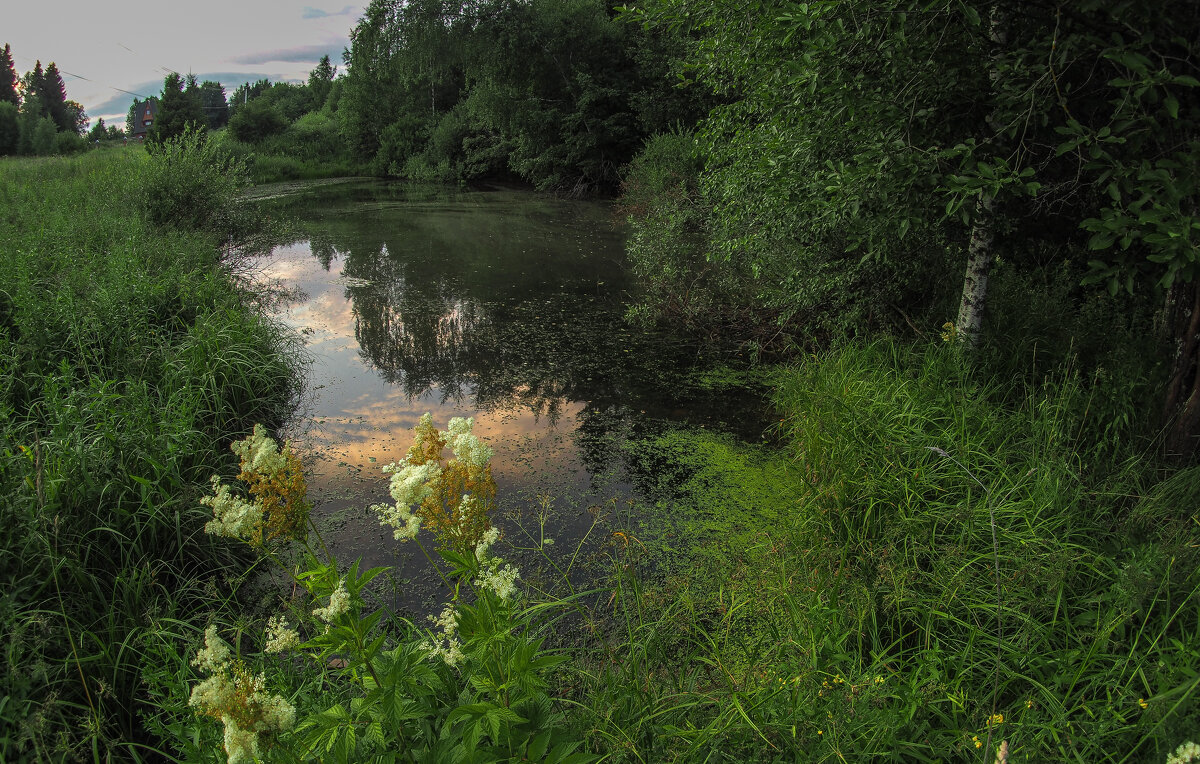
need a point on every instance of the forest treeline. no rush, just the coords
(36, 117)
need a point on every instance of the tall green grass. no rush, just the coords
(949, 561)
(127, 360)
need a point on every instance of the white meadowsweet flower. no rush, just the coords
(500, 579)
(240, 745)
(410, 482)
(490, 536)
(260, 453)
(233, 516)
(232, 693)
(214, 656)
(451, 652)
(280, 636)
(400, 517)
(277, 713)
(217, 691)
(339, 604)
(467, 447)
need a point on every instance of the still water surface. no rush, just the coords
(493, 303)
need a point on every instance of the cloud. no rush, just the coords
(300, 54)
(317, 13)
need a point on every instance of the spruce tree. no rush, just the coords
(8, 78)
(214, 104)
(320, 82)
(131, 118)
(54, 94)
(176, 110)
(34, 85)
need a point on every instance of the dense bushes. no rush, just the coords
(191, 184)
(668, 247)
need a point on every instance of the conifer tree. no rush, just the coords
(320, 82)
(176, 110)
(54, 96)
(130, 118)
(33, 84)
(8, 78)
(214, 104)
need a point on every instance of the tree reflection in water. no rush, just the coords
(502, 304)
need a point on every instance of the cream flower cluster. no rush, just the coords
(410, 485)
(494, 573)
(446, 645)
(236, 698)
(232, 516)
(280, 636)
(1185, 754)
(467, 447)
(260, 453)
(339, 604)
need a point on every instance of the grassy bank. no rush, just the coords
(932, 572)
(128, 360)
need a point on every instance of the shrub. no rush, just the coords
(191, 183)
(256, 121)
(669, 242)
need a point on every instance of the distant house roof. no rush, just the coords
(144, 115)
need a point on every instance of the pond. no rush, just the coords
(494, 303)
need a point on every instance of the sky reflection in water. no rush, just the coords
(497, 304)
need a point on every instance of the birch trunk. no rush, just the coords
(980, 255)
(1182, 404)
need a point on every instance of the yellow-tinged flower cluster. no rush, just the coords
(275, 480)
(235, 696)
(453, 497)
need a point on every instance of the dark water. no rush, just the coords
(496, 303)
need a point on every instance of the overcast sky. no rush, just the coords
(104, 48)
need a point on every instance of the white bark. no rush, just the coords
(980, 255)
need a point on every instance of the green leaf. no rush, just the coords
(537, 747)
(1172, 105)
